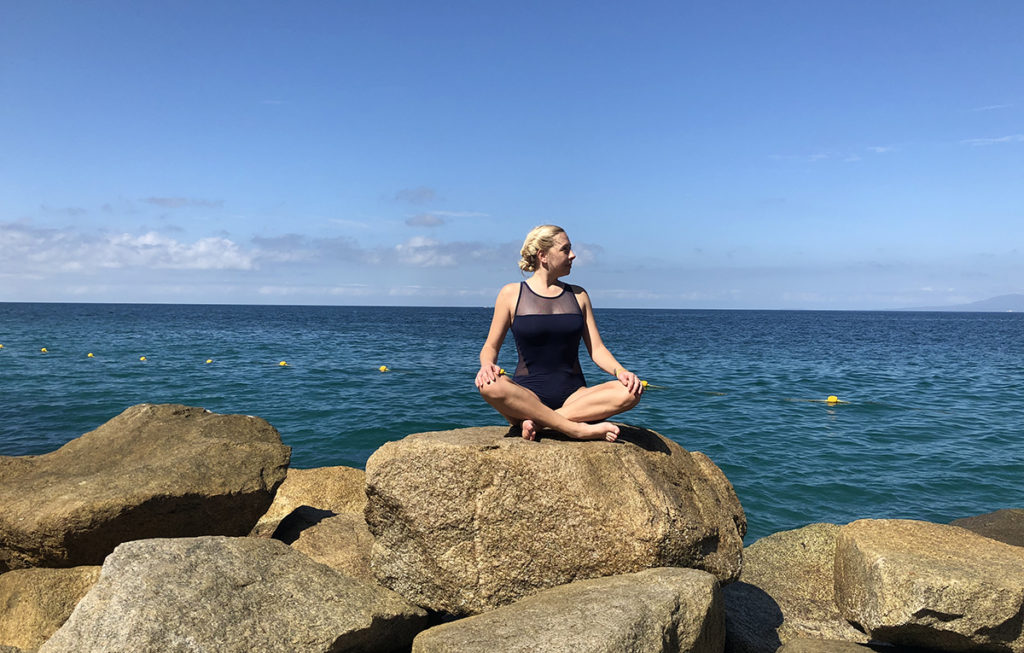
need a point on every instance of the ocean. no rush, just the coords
(929, 427)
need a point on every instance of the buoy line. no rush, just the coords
(384, 368)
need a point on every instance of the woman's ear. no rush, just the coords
(542, 257)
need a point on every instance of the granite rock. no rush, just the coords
(231, 595)
(1007, 525)
(786, 591)
(34, 603)
(915, 583)
(310, 495)
(469, 520)
(810, 645)
(668, 609)
(152, 471)
(342, 542)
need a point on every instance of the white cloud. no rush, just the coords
(992, 107)
(351, 290)
(461, 214)
(349, 223)
(587, 254)
(296, 248)
(424, 252)
(838, 155)
(418, 195)
(819, 156)
(1012, 138)
(437, 218)
(179, 202)
(437, 291)
(28, 249)
(425, 220)
(73, 211)
(153, 250)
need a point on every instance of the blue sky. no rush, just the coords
(789, 155)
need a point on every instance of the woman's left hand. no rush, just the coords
(630, 380)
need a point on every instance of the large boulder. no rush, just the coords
(1004, 525)
(812, 645)
(670, 609)
(152, 471)
(930, 585)
(342, 542)
(786, 591)
(34, 603)
(231, 595)
(469, 520)
(310, 495)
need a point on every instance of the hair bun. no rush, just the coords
(540, 238)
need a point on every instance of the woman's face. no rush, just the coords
(558, 258)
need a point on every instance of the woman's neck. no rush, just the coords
(541, 282)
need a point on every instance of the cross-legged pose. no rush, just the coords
(548, 318)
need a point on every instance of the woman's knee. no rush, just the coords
(496, 390)
(489, 390)
(627, 399)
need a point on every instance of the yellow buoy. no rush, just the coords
(384, 368)
(647, 384)
(142, 358)
(283, 364)
(1, 346)
(89, 355)
(832, 399)
(43, 350)
(209, 360)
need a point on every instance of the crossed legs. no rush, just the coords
(521, 406)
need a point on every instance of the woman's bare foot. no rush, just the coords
(603, 431)
(529, 430)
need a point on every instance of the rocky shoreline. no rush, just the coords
(170, 528)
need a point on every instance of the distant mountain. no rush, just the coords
(1001, 304)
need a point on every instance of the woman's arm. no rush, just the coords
(598, 352)
(500, 323)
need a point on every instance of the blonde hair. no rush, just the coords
(539, 239)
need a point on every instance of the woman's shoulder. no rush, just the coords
(582, 298)
(510, 288)
(509, 292)
(576, 290)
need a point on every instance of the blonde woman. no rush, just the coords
(548, 319)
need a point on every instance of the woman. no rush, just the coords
(548, 318)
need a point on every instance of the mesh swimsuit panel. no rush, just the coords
(547, 331)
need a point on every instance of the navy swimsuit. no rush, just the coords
(547, 331)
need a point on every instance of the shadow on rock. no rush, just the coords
(298, 520)
(752, 619)
(643, 438)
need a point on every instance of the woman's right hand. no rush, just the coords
(487, 374)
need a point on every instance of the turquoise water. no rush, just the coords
(931, 430)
